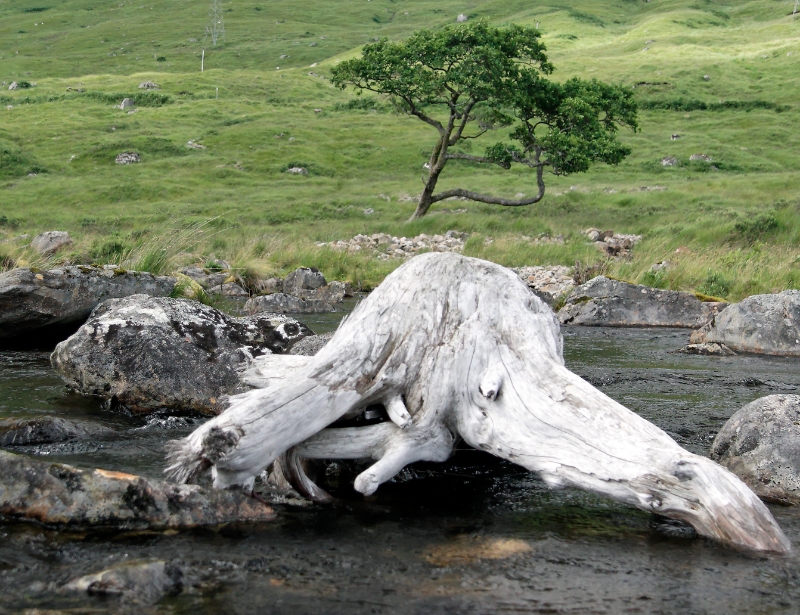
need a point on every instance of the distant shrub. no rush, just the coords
(362, 103)
(24, 85)
(752, 229)
(655, 279)
(36, 9)
(7, 222)
(161, 59)
(715, 285)
(693, 104)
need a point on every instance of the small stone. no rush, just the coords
(669, 161)
(461, 18)
(675, 137)
(13, 86)
(706, 78)
(699, 158)
(149, 85)
(297, 171)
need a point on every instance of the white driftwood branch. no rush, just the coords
(454, 346)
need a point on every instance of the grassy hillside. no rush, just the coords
(736, 220)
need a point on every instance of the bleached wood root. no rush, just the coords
(454, 346)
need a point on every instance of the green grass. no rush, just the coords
(734, 221)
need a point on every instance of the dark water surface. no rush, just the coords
(475, 535)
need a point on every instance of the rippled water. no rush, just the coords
(475, 535)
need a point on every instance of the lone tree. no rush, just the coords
(466, 80)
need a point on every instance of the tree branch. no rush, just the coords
(494, 200)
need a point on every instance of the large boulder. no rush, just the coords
(281, 303)
(146, 353)
(50, 242)
(303, 279)
(31, 300)
(62, 495)
(764, 324)
(760, 443)
(603, 302)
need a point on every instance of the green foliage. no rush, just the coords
(693, 104)
(462, 75)
(715, 285)
(753, 229)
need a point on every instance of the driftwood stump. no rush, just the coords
(455, 347)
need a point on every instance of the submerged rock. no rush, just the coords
(763, 324)
(47, 430)
(282, 303)
(138, 582)
(760, 443)
(603, 302)
(62, 495)
(31, 300)
(146, 353)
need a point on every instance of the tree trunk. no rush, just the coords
(458, 347)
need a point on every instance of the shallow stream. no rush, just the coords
(474, 535)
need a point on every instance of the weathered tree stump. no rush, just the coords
(455, 347)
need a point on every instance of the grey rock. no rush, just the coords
(61, 495)
(128, 158)
(147, 353)
(760, 443)
(700, 158)
(711, 350)
(149, 85)
(13, 86)
(137, 582)
(612, 303)
(669, 161)
(304, 278)
(32, 300)
(127, 103)
(762, 324)
(206, 278)
(269, 286)
(281, 303)
(232, 289)
(311, 345)
(47, 430)
(461, 18)
(50, 242)
(297, 171)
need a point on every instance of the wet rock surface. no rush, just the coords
(472, 536)
(34, 301)
(47, 430)
(145, 353)
(763, 324)
(139, 583)
(760, 443)
(612, 303)
(61, 495)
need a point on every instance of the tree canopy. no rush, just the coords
(469, 79)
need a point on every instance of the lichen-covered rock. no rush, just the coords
(603, 302)
(50, 242)
(281, 303)
(147, 353)
(46, 430)
(31, 299)
(62, 495)
(760, 443)
(763, 324)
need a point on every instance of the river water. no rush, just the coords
(474, 535)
